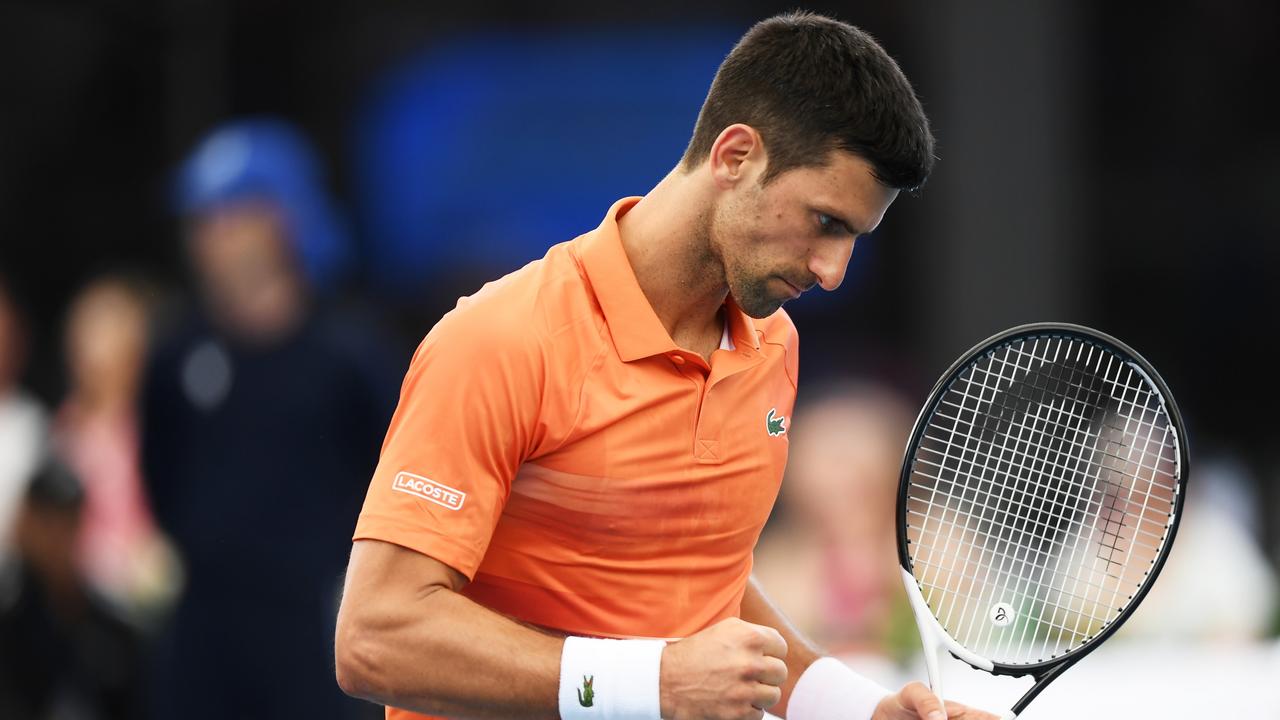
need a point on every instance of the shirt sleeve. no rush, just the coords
(466, 420)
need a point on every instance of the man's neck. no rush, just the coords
(665, 236)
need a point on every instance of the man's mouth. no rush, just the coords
(797, 289)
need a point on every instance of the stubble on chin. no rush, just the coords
(752, 295)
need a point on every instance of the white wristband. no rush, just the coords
(610, 679)
(829, 690)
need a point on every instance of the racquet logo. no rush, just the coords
(429, 489)
(1001, 614)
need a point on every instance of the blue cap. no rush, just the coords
(270, 159)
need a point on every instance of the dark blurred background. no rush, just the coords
(1114, 165)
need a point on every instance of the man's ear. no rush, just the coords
(737, 153)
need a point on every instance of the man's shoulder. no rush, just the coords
(527, 306)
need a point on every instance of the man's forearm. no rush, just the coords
(801, 652)
(434, 651)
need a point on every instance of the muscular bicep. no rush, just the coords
(406, 638)
(384, 598)
(378, 567)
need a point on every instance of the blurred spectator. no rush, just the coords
(829, 561)
(267, 159)
(1217, 585)
(64, 653)
(22, 419)
(263, 415)
(96, 432)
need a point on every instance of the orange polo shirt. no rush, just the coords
(554, 445)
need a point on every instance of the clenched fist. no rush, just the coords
(733, 670)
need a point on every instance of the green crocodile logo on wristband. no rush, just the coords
(587, 696)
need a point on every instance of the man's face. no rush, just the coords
(798, 231)
(246, 267)
(106, 338)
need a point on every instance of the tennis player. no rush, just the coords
(585, 451)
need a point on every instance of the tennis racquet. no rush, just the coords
(1039, 497)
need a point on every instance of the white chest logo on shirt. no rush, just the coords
(429, 489)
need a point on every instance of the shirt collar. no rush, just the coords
(637, 332)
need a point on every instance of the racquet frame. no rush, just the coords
(934, 638)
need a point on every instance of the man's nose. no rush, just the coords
(828, 262)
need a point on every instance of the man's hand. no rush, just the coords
(917, 702)
(733, 670)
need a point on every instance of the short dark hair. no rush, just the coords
(809, 85)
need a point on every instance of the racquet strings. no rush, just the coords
(1041, 494)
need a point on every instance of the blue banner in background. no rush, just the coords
(483, 151)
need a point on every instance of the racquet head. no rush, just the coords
(1040, 494)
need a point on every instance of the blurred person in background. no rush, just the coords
(1218, 587)
(96, 433)
(65, 653)
(23, 421)
(829, 559)
(262, 416)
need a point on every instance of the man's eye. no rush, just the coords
(830, 225)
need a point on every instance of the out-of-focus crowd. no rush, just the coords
(173, 533)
